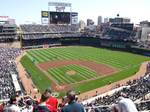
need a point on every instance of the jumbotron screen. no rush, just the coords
(59, 17)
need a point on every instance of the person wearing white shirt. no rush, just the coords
(12, 108)
(125, 105)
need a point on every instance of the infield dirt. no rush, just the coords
(100, 69)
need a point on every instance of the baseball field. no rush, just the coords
(78, 67)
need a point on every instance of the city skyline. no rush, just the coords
(26, 10)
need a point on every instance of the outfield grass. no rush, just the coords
(127, 63)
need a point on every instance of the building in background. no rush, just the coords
(119, 20)
(145, 35)
(99, 22)
(106, 20)
(90, 22)
(7, 20)
(144, 31)
(145, 24)
(138, 30)
(81, 25)
(8, 29)
(7, 25)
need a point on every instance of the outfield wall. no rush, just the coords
(90, 41)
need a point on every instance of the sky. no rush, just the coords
(30, 10)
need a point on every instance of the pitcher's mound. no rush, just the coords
(71, 72)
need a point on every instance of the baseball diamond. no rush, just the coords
(93, 67)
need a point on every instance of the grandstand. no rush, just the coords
(48, 28)
(8, 29)
(119, 31)
(41, 35)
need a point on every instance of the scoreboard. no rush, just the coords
(44, 14)
(54, 17)
(44, 17)
(59, 18)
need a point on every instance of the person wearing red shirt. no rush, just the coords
(1, 107)
(51, 100)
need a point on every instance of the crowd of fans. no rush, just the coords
(48, 28)
(118, 34)
(47, 103)
(69, 103)
(7, 67)
(7, 36)
(43, 36)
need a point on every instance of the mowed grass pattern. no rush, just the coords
(127, 63)
(61, 77)
(116, 59)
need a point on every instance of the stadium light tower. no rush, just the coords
(118, 15)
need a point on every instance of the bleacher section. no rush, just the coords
(119, 31)
(48, 28)
(48, 35)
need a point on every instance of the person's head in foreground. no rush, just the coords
(72, 106)
(124, 105)
(48, 92)
(71, 95)
(42, 107)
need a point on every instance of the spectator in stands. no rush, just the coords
(115, 108)
(29, 105)
(2, 107)
(43, 107)
(72, 106)
(13, 106)
(7, 68)
(50, 99)
(63, 103)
